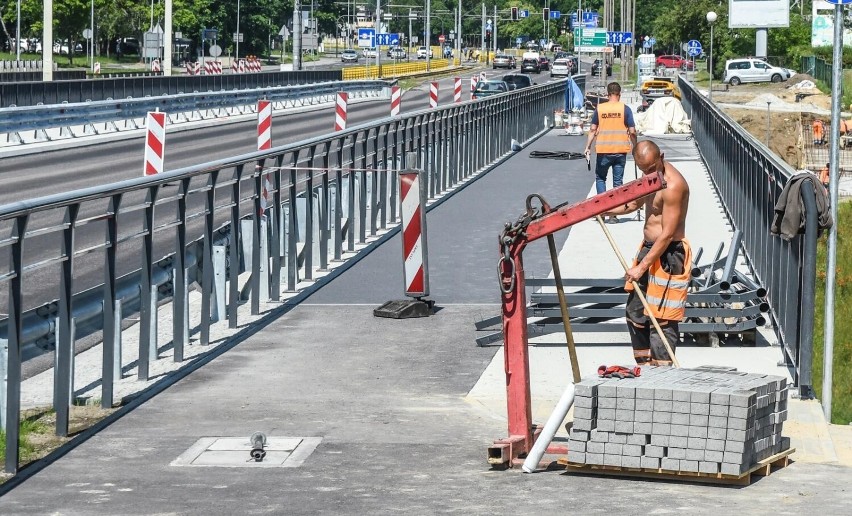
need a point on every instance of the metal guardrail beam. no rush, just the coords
(17, 119)
(749, 179)
(328, 194)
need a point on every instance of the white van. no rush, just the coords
(751, 69)
(645, 64)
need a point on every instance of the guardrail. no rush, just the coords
(12, 77)
(329, 195)
(749, 178)
(58, 91)
(39, 118)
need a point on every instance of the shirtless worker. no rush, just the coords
(663, 264)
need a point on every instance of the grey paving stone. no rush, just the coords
(698, 420)
(717, 421)
(678, 441)
(740, 412)
(735, 446)
(662, 393)
(578, 446)
(733, 469)
(649, 462)
(599, 436)
(645, 393)
(577, 457)
(605, 413)
(715, 445)
(642, 428)
(692, 454)
(613, 448)
(696, 443)
(623, 415)
(655, 451)
(579, 435)
(607, 390)
(701, 395)
(628, 461)
(689, 465)
(680, 419)
(626, 390)
(713, 456)
(699, 408)
(610, 403)
(643, 416)
(736, 458)
(669, 464)
(618, 437)
(662, 417)
(583, 402)
(681, 395)
(583, 424)
(632, 450)
(708, 467)
(626, 427)
(606, 425)
(676, 453)
(717, 433)
(719, 410)
(662, 405)
(736, 435)
(646, 405)
(698, 431)
(680, 407)
(737, 424)
(588, 387)
(720, 397)
(583, 413)
(594, 447)
(612, 460)
(679, 430)
(625, 404)
(594, 458)
(640, 439)
(660, 440)
(742, 398)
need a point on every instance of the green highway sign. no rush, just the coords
(590, 40)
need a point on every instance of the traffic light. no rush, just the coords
(514, 14)
(545, 14)
(487, 37)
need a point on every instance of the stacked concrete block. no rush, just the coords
(704, 420)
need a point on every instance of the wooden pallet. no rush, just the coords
(760, 469)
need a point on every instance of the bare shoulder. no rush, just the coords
(676, 184)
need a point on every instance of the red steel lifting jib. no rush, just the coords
(533, 224)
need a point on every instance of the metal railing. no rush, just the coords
(749, 179)
(58, 91)
(333, 193)
(17, 119)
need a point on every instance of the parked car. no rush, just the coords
(670, 61)
(370, 52)
(544, 63)
(391, 49)
(504, 61)
(517, 81)
(596, 68)
(490, 87)
(531, 66)
(422, 51)
(127, 46)
(398, 53)
(753, 70)
(349, 56)
(560, 68)
(61, 47)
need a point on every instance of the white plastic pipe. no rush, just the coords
(553, 423)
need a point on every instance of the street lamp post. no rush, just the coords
(237, 50)
(711, 19)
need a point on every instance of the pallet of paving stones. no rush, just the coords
(710, 423)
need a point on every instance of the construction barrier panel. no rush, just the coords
(416, 270)
(393, 70)
(155, 142)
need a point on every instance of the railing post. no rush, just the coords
(112, 308)
(145, 315)
(234, 276)
(180, 326)
(207, 269)
(12, 418)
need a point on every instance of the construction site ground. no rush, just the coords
(401, 411)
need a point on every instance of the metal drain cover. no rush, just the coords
(234, 452)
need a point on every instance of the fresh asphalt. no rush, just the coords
(386, 397)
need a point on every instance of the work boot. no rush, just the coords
(612, 219)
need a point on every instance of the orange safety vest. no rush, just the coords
(666, 293)
(817, 126)
(612, 137)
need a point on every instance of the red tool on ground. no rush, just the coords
(617, 371)
(530, 226)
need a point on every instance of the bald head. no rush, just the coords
(647, 153)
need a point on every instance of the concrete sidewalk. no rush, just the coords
(385, 416)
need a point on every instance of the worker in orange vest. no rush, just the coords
(824, 175)
(818, 127)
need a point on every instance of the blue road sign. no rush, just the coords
(841, 2)
(646, 44)
(619, 38)
(554, 15)
(693, 48)
(524, 13)
(366, 38)
(390, 38)
(590, 19)
(653, 41)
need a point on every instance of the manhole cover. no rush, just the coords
(233, 452)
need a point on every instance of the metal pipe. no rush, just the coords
(553, 423)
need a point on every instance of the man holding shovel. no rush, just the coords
(664, 261)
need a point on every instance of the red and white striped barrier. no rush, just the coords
(396, 96)
(457, 90)
(255, 66)
(213, 67)
(473, 81)
(340, 112)
(155, 142)
(97, 67)
(155, 65)
(433, 95)
(241, 66)
(264, 142)
(414, 255)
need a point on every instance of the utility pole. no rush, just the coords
(483, 28)
(47, 41)
(459, 32)
(297, 35)
(428, 34)
(494, 32)
(378, 29)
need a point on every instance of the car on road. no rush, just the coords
(370, 52)
(657, 87)
(596, 68)
(490, 87)
(516, 81)
(544, 63)
(560, 68)
(530, 66)
(349, 56)
(504, 61)
(750, 69)
(670, 61)
(422, 51)
(397, 53)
